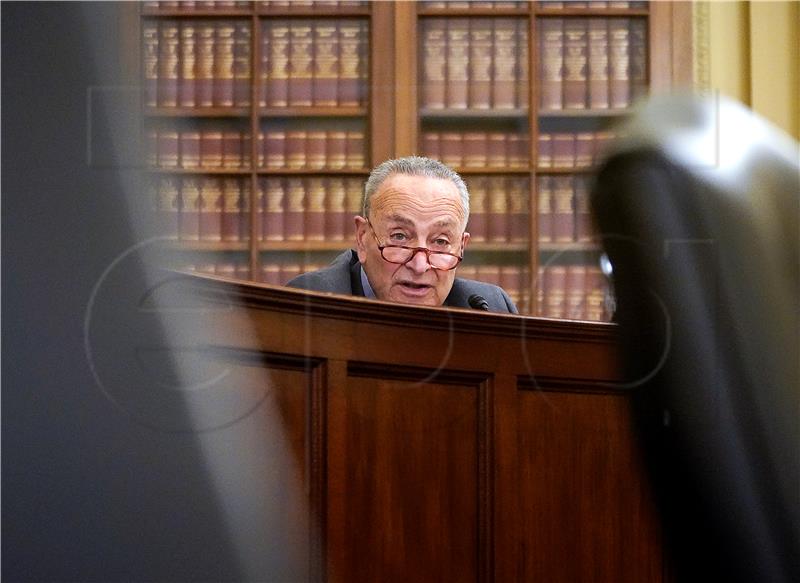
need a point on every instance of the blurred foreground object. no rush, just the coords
(698, 207)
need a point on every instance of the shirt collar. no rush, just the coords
(368, 292)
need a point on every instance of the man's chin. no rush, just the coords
(415, 297)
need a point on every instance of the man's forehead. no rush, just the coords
(443, 222)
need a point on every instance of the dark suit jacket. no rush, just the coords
(343, 276)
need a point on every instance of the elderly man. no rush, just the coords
(409, 241)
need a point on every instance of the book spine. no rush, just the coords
(349, 55)
(518, 209)
(545, 208)
(168, 64)
(244, 208)
(363, 63)
(477, 209)
(563, 150)
(336, 149)
(168, 149)
(505, 55)
(355, 150)
(498, 210)
(335, 209)
(598, 63)
(223, 64)
(541, 290)
(247, 147)
(204, 85)
(452, 149)
(353, 205)
(168, 206)
(563, 213)
(584, 231)
(431, 145)
(190, 150)
(231, 149)
(315, 150)
(210, 217)
(457, 63)
(575, 308)
(278, 88)
(595, 294)
(150, 38)
(497, 150)
(271, 273)
(295, 209)
(315, 210)
(241, 65)
(273, 219)
(551, 62)
(434, 63)
(544, 150)
(211, 149)
(575, 81)
(511, 281)
(518, 146)
(189, 225)
(186, 93)
(523, 69)
(619, 63)
(584, 149)
(264, 79)
(231, 208)
(480, 64)
(475, 150)
(296, 149)
(300, 64)
(638, 58)
(326, 64)
(151, 148)
(275, 149)
(555, 291)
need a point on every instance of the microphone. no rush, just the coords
(478, 302)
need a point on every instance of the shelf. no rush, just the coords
(197, 112)
(183, 245)
(316, 12)
(588, 170)
(521, 11)
(306, 11)
(312, 171)
(303, 246)
(561, 12)
(489, 247)
(581, 113)
(504, 170)
(198, 13)
(428, 113)
(574, 247)
(237, 171)
(312, 111)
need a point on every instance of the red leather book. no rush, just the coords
(457, 63)
(523, 68)
(595, 295)
(563, 210)
(353, 195)
(168, 149)
(541, 290)
(431, 145)
(295, 149)
(551, 62)
(545, 208)
(231, 149)
(601, 142)
(247, 149)
(511, 282)
(480, 63)
(355, 155)
(188, 58)
(168, 64)
(619, 63)
(434, 60)
(278, 88)
(335, 209)
(264, 79)
(518, 208)
(576, 51)
(300, 63)
(273, 194)
(518, 145)
(189, 222)
(271, 273)
(638, 57)
(350, 38)
(223, 64)
(295, 209)
(489, 273)
(584, 149)
(316, 149)
(544, 150)
(315, 209)
(168, 206)
(204, 69)
(452, 149)
(210, 207)
(151, 148)
(477, 227)
(231, 209)
(275, 149)
(475, 147)
(498, 220)
(363, 62)
(497, 148)
(190, 149)
(241, 64)
(336, 149)
(598, 63)
(326, 63)
(211, 149)
(244, 208)
(150, 52)
(563, 150)
(584, 229)
(575, 308)
(555, 291)
(506, 52)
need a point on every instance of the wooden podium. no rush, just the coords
(439, 444)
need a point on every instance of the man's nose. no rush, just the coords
(419, 262)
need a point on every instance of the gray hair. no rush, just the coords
(413, 166)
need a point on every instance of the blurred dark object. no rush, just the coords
(698, 205)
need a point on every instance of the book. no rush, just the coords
(498, 219)
(518, 208)
(431, 145)
(452, 149)
(601, 142)
(168, 59)
(168, 146)
(151, 148)
(189, 220)
(316, 149)
(545, 208)
(563, 210)
(231, 209)
(336, 149)
(150, 51)
(264, 79)
(210, 210)
(475, 147)
(300, 64)
(575, 81)
(511, 281)
(211, 149)
(595, 295)
(296, 149)
(350, 39)
(555, 291)
(551, 63)
(326, 64)
(584, 230)
(223, 64)
(275, 149)
(190, 149)
(186, 88)
(355, 156)
(575, 305)
(273, 193)
(497, 149)
(247, 149)
(335, 209)
(241, 64)
(477, 209)
(363, 62)
(353, 205)
(480, 63)
(618, 63)
(540, 289)
(518, 147)
(563, 150)
(523, 68)
(271, 273)
(167, 206)
(278, 88)
(505, 54)
(231, 149)
(544, 150)
(457, 63)
(204, 67)
(295, 209)
(434, 46)
(584, 149)
(637, 35)
(315, 209)
(598, 63)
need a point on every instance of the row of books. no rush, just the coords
(594, 4)
(563, 209)
(468, 149)
(473, 4)
(223, 5)
(575, 292)
(208, 63)
(474, 63)
(591, 63)
(571, 149)
(278, 149)
(499, 208)
(289, 209)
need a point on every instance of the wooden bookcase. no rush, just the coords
(542, 253)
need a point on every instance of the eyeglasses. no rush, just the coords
(401, 254)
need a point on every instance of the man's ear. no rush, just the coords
(361, 238)
(464, 242)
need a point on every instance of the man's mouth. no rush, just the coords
(414, 289)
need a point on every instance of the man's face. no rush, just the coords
(415, 211)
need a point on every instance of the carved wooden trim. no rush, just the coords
(570, 385)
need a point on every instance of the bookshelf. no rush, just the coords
(262, 120)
